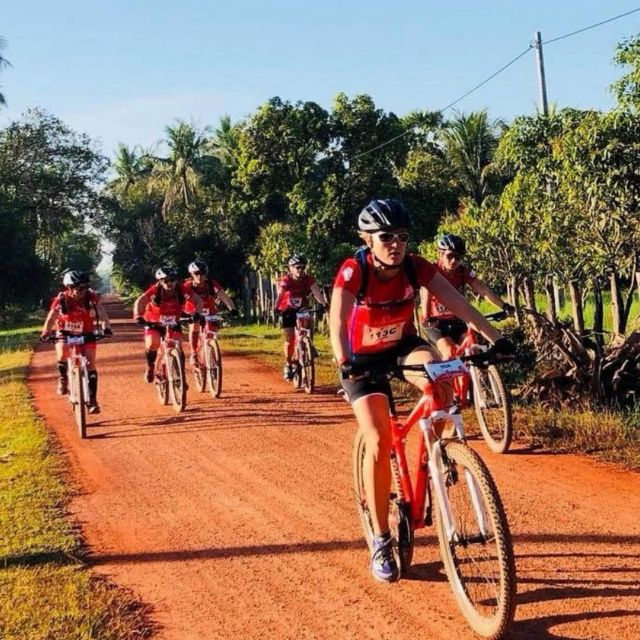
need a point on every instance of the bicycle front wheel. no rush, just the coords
(200, 374)
(478, 556)
(160, 381)
(177, 386)
(493, 408)
(214, 368)
(308, 366)
(400, 524)
(77, 394)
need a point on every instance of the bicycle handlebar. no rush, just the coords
(59, 334)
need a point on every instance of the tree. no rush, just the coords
(4, 63)
(627, 89)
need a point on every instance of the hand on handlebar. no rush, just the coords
(107, 332)
(44, 336)
(508, 308)
(140, 321)
(350, 369)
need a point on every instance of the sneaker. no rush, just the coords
(383, 564)
(148, 376)
(288, 372)
(93, 407)
(61, 389)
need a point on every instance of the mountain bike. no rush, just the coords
(207, 372)
(304, 367)
(169, 376)
(473, 532)
(78, 373)
(491, 399)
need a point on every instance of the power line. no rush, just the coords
(493, 75)
(593, 26)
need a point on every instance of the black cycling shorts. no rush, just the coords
(289, 318)
(453, 328)
(390, 357)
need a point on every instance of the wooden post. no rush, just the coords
(576, 307)
(616, 303)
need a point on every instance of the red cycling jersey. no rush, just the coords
(164, 305)
(385, 314)
(74, 314)
(294, 294)
(458, 278)
(208, 291)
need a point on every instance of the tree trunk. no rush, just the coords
(558, 294)
(529, 293)
(598, 314)
(616, 304)
(576, 307)
(552, 312)
(514, 298)
(246, 298)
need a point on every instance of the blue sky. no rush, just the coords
(122, 70)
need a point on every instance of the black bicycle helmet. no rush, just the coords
(383, 214)
(73, 278)
(451, 242)
(296, 259)
(166, 271)
(198, 265)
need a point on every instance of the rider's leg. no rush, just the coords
(289, 343)
(62, 352)
(151, 346)
(93, 377)
(194, 337)
(447, 347)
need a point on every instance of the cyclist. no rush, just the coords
(71, 310)
(164, 299)
(442, 328)
(294, 289)
(371, 323)
(210, 291)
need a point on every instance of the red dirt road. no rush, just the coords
(236, 519)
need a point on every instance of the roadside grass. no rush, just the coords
(609, 435)
(46, 592)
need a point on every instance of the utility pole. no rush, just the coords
(542, 84)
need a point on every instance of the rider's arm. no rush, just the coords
(102, 315)
(48, 321)
(425, 298)
(342, 302)
(481, 289)
(223, 297)
(140, 304)
(458, 305)
(318, 294)
(197, 301)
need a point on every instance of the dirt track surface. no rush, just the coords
(236, 519)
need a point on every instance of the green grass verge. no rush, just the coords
(46, 593)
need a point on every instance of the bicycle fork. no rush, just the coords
(440, 472)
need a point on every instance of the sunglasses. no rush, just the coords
(452, 256)
(167, 280)
(197, 273)
(300, 267)
(79, 287)
(387, 237)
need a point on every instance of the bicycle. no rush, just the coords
(169, 375)
(491, 399)
(78, 373)
(207, 372)
(472, 528)
(304, 367)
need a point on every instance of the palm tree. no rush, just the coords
(4, 63)
(470, 142)
(129, 166)
(179, 175)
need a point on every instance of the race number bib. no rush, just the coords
(212, 318)
(303, 315)
(75, 339)
(381, 335)
(446, 369)
(167, 321)
(73, 327)
(295, 301)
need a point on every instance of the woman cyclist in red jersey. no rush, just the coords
(294, 289)
(375, 327)
(71, 311)
(210, 291)
(161, 302)
(442, 328)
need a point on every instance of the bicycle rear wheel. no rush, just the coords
(308, 366)
(77, 395)
(214, 368)
(479, 557)
(493, 408)
(177, 386)
(400, 524)
(160, 381)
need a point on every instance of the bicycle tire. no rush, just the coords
(214, 369)
(79, 408)
(400, 524)
(176, 379)
(493, 408)
(308, 366)
(200, 373)
(480, 567)
(160, 382)
(297, 374)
